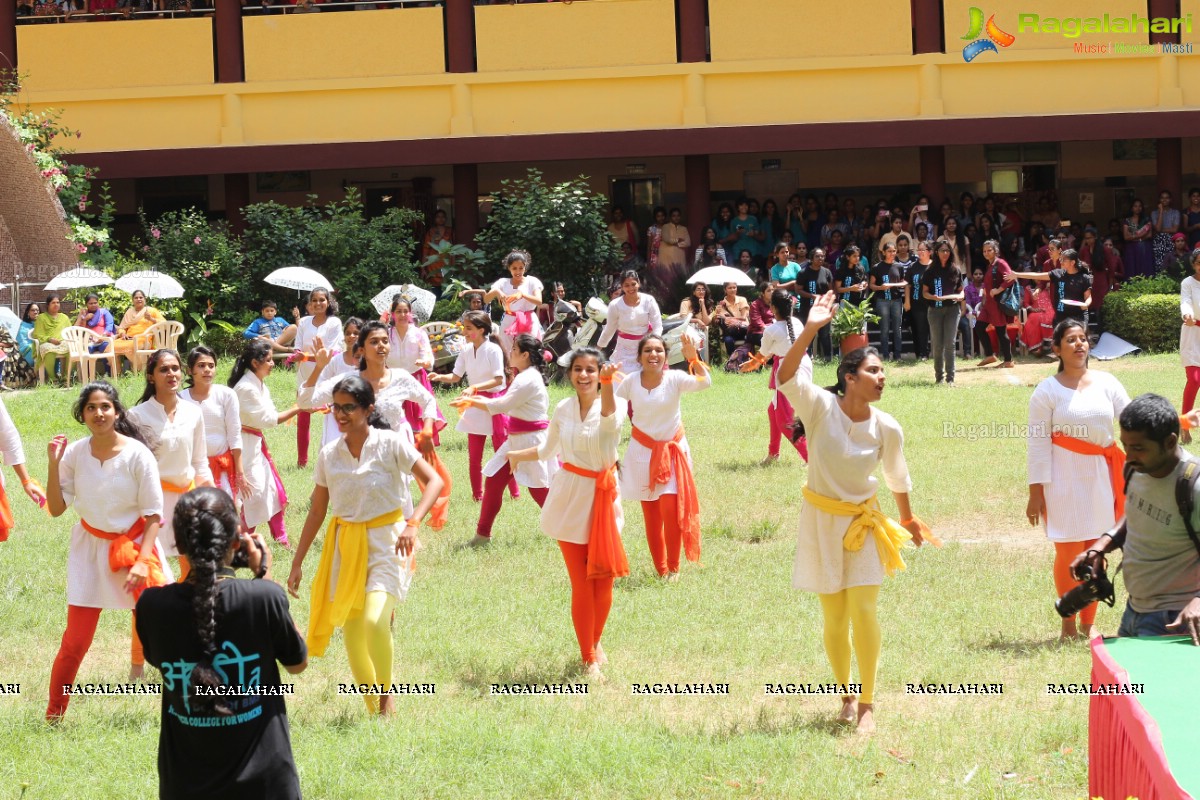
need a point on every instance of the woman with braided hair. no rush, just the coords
(213, 631)
(778, 337)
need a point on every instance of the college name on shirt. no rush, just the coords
(954, 688)
(385, 689)
(240, 674)
(679, 688)
(813, 688)
(538, 688)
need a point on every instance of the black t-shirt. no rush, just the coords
(851, 276)
(941, 281)
(247, 755)
(884, 272)
(816, 281)
(1065, 286)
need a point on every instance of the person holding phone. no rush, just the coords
(941, 284)
(891, 295)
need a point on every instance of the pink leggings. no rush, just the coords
(493, 498)
(303, 423)
(778, 427)
(1189, 390)
(475, 442)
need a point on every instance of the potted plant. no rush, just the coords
(849, 324)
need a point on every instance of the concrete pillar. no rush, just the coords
(227, 31)
(466, 203)
(697, 179)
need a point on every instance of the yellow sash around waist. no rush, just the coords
(348, 540)
(889, 535)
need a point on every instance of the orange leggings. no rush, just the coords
(136, 657)
(76, 640)
(662, 532)
(590, 600)
(1064, 554)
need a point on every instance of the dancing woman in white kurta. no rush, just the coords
(367, 558)
(112, 481)
(657, 468)
(1076, 467)
(411, 352)
(324, 325)
(846, 544)
(342, 363)
(14, 456)
(264, 499)
(630, 317)
(777, 339)
(1189, 337)
(521, 294)
(222, 422)
(525, 404)
(482, 362)
(583, 507)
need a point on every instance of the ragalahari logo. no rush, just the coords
(978, 44)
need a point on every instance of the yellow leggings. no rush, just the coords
(369, 644)
(853, 607)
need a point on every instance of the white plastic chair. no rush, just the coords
(79, 341)
(159, 336)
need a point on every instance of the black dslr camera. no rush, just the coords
(241, 556)
(1094, 588)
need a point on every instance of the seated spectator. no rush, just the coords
(761, 315)
(1161, 560)
(1178, 261)
(732, 317)
(48, 331)
(699, 304)
(97, 320)
(630, 260)
(710, 255)
(137, 320)
(269, 326)
(1039, 322)
(25, 333)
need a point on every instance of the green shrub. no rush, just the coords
(1150, 321)
(448, 309)
(1142, 284)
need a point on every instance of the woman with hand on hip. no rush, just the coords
(525, 404)
(367, 559)
(14, 455)
(111, 479)
(322, 323)
(1076, 467)
(520, 294)
(583, 508)
(657, 470)
(264, 499)
(846, 544)
(630, 317)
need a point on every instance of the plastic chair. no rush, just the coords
(159, 336)
(78, 341)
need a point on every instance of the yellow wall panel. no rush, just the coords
(741, 31)
(957, 20)
(1189, 78)
(363, 44)
(145, 124)
(1021, 86)
(596, 33)
(568, 106)
(414, 112)
(1190, 7)
(112, 55)
(768, 97)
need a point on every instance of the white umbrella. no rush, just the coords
(302, 279)
(78, 278)
(718, 276)
(9, 321)
(421, 301)
(150, 282)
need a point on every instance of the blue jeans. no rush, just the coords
(1153, 623)
(891, 314)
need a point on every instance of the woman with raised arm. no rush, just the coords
(367, 559)
(846, 543)
(583, 507)
(657, 469)
(778, 339)
(343, 361)
(411, 352)
(1070, 287)
(321, 323)
(111, 479)
(222, 422)
(630, 317)
(520, 294)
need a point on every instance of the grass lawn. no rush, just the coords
(978, 610)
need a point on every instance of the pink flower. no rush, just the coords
(197, 241)
(81, 248)
(146, 248)
(207, 273)
(155, 232)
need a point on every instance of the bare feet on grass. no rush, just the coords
(849, 711)
(866, 718)
(137, 673)
(387, 705)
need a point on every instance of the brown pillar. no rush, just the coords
(227, 29)
(8, 40)
(697, 181)
(927, 26)
(933, 174)
(693, 33)
(466, 203)
(237, 197)
(460, 35)
(1163, 8)
(1170, 172)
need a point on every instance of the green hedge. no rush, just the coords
(1151, 321)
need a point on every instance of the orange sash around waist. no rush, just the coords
(440, 512)
(223, 465)
(7, 522)
(1113, 455)
(665, 457)
(176, 488)
(606, 554)
(123, 552)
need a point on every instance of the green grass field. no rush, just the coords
(978, 610)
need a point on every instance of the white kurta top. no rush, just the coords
(407, 350)
(656, 413)
(307, 331)
(10, 441)
(363, 488)
(389, 401)
(590, 444)
(181, 453)
(525, 399)
(844, 455)
(110, 496)
(335, 369)
(776, 342)
(257, 411)
(1078, 489)
(222, 419)
(479, 365)
(636, 320)
(530, 285)
(1189, 335)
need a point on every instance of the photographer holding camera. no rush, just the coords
(1161, 550)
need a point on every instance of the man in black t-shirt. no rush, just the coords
(812, 282)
